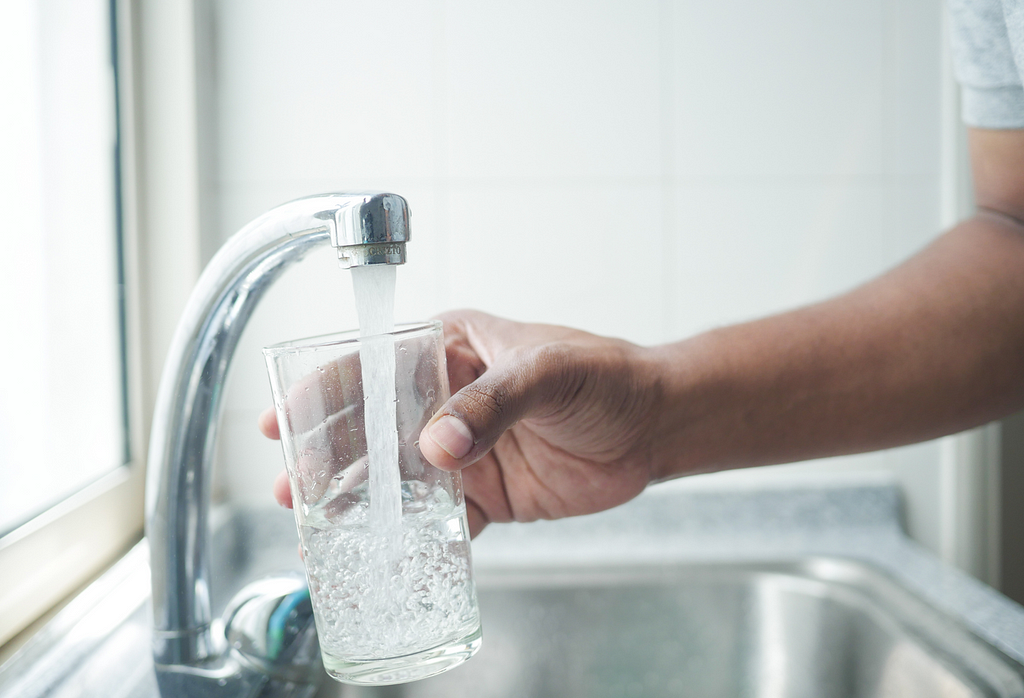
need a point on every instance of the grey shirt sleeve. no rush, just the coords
(987, 38)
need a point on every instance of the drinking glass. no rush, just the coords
(394, 598)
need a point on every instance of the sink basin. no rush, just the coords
(716, 624)
(814, 628)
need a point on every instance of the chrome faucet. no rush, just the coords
(195, 656)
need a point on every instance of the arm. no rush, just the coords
(930, 348)
(557, 422)
(933, 347)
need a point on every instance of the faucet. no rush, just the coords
(195, 655)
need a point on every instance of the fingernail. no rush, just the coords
(451, 434)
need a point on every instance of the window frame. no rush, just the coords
(59, 550)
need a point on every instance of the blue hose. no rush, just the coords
(279, 618)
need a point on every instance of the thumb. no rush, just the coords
(526, 383)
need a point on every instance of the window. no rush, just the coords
(62, 412)
(64, 448)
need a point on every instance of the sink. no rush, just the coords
(847, 607)
(812, 628)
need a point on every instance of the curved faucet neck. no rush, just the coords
(367, 229)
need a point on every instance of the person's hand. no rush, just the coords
(546, 421)
(324, 413)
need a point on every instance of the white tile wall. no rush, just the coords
(783, 89)
(311, 90)
(547, 91)
(757, 155)
(579, 254)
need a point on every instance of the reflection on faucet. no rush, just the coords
(191, 657)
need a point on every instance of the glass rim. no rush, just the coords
(347, 337)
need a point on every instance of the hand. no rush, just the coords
(547, 421)
(323, 412)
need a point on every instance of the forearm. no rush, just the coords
(933, 347)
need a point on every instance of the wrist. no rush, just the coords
(682, 379)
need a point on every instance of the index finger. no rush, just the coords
(329, 389)
(267, 423)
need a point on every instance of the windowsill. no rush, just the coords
(9, 648)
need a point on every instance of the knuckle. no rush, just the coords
(556, 366)
(539, 363)
(552, 360)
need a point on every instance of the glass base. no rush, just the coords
(410, 667)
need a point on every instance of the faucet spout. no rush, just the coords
(370, 228)
(371, 232)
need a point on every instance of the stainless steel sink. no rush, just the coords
(816, 628)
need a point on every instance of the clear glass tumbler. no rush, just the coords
(394, 598)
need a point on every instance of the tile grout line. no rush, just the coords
(667, 170)
(442, 198)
